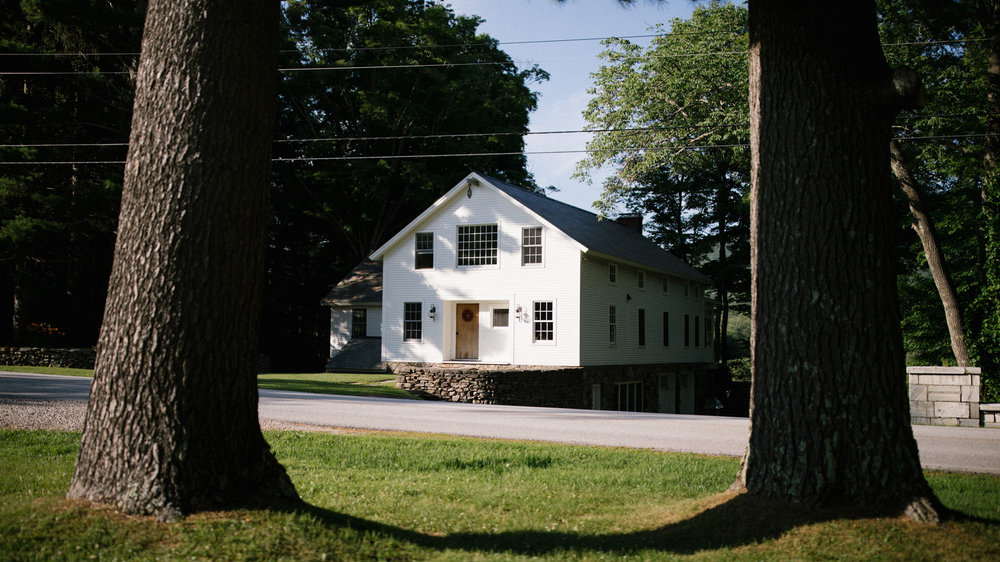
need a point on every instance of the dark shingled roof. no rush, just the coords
(362, 285)
(602, 236)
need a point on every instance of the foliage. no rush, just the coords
(57, 222)
(671, 120)
(946, 151)
(332, 211)
(410, 497)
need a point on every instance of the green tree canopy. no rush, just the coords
(57, 222)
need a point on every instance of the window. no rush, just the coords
(612, 325)
(477, 245)
(687, 330)
(629, 396)
(687, 289)
(359, 322)
(424, 244)
(501, 317)
(642, 327)
(640, 279)
(412, 328)
(543, 324)
(666, 329)
(531, 245)
(666, 284)
(697, 331)
(612, 273)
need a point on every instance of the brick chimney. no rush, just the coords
(631, 220)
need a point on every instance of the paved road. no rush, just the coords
(948, 448)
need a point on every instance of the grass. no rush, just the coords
(404, 497)
(334, 383)
(49, 370)
(320, 383)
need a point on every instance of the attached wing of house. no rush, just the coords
(356, 320)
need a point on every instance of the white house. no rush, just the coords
(493, 273)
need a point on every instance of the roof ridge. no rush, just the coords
(543, 196)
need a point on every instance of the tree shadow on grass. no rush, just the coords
(742, 520)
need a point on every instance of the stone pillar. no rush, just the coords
(944, 395)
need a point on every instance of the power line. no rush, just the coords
(692, 128)
(437, 65)
(485, 154)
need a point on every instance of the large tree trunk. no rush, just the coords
(172, 424)
(830, 420)
(924, 227)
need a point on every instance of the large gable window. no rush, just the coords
(477, 245)
(412, 326)
(531, 245)
(424, 243)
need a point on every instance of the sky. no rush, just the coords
(564, 96)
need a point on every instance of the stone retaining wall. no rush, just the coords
(568, 387)
(944, 395)
(47, 357)
(989, 415)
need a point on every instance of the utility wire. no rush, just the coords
(692, 128)
(482, 154)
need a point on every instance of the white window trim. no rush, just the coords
(542, 246)
(555, 316)
(482, 266)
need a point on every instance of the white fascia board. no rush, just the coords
(379, 253)
(460, 187)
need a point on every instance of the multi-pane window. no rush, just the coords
(640, 279)
(612, 325)
(642, 327)
(666, 284)
(424, 244)
(709, 316)
(501, 317)
(531, 245)
(687, 330)
(666, 329)
(543, 324)
(359, 322)
(612, 273)
(629, 396)
(477, 244)
(687, 289)
(697, 331)
(412, 328)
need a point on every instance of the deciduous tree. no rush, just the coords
(829, 413)
(171, 424)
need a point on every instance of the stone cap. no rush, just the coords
(922, 370)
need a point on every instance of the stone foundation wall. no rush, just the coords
(47, 357)
(944, 395)
(568, 387)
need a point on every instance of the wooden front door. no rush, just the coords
(467, 331)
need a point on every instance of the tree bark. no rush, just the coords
(172, 424)
(924, 227)
(829, 413)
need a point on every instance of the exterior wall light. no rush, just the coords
(432, 312)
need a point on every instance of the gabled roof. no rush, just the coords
(593, 235)
(363, 285)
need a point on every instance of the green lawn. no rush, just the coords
(321, 383)
(405, 497)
